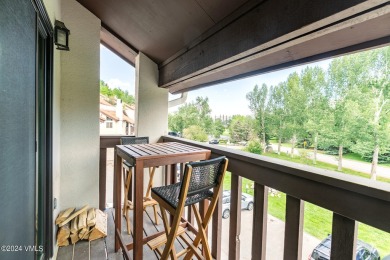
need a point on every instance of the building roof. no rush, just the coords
(112, 115)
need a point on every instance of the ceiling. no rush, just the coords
(198, 43)
(157, 28)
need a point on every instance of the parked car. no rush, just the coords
(269, 148)
(214, 141)
(174, 134)
(364, 251)
(243, 143)
(246, 203)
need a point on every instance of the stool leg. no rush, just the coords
(126, 205)
(169, 246)
(127, 220)
(125, 189)
(155, 214)
(148, 191)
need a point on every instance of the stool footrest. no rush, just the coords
(161, 240)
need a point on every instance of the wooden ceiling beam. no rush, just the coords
(118, 45)
(273, 33)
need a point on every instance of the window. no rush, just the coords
(108, 124)
(363, 254)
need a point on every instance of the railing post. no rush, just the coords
(217, 229)
(260, 215)
(235, 217)
(293, 229)
(102, 178)
(344, 232)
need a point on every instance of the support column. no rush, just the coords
(151, 104)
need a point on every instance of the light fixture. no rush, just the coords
(61, 36)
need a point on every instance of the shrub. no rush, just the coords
(254, 146)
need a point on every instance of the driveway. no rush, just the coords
(347, 163)
(275, 238)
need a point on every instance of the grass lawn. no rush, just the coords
(317, 220)
(354, 156)
(322, 165)
(357, 157)
(350, 156)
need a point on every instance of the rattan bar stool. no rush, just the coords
(201, 180)
(127, 175)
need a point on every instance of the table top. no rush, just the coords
(158, 150)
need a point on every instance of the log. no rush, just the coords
(64, 215)
(73, 215)
(91, 219)
(74, 237)
(74, 225)
(63, 243)
(83, 220)
(83, 234)
(63, 234)
(100, 229)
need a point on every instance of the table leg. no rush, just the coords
(117, 196)
(167, 175)
(138, 209)
(173, 173)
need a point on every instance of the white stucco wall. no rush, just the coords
(75, 108)
(151, 113)
(79, 108)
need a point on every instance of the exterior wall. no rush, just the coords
(151, 113)
(75, 108)
(80, 108)
(111, 131)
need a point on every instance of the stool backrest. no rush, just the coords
(204, 175)
(134, 140)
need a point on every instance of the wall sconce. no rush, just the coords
(61, 36)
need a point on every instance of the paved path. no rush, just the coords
(275, 238)
(347, 163)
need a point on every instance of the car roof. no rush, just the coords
(325, 246)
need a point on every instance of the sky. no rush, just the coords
(116, 72)
(224, 99)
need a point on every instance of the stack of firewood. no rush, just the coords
(87, 224)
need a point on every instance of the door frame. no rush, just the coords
(44, 136)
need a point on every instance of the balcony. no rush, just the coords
(300, 183)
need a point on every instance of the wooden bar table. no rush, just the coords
(144, 156)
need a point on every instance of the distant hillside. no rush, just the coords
(116, 92)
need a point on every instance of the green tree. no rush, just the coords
(296, 107)
(186, 116)
(193, 113)
(259, 104)
(202, 104)
(277, 112)
(195, 133)
(241, 128)
(116, 93)
(219, 128)
(347, 78)
(317, 96)
(105, 89)
(373, 135)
